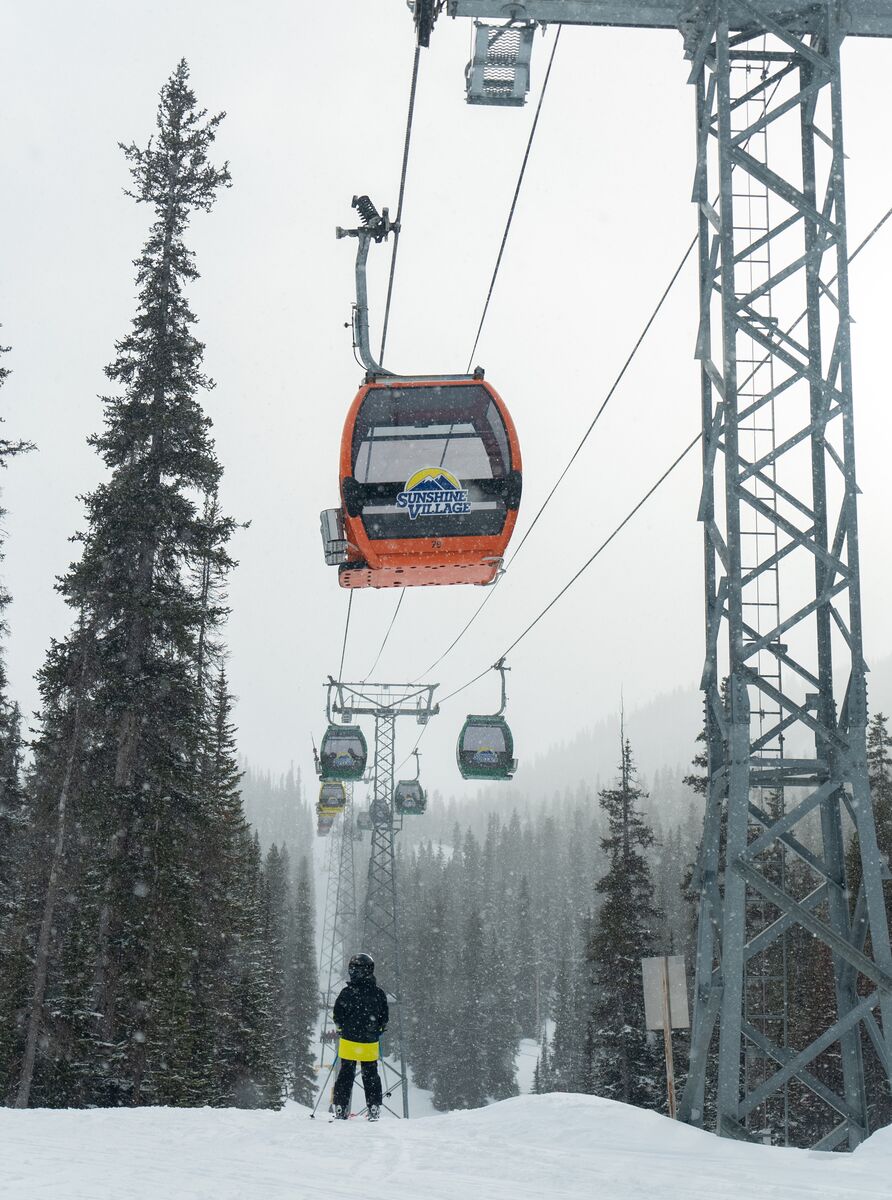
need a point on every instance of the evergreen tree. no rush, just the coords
(571, 1019)
(302, 988)
(430, 980)
(879, 774)
(498, 1021)
(624, 1064)
(461, 1078)
(543, 1081)
(122, 706)
(276, 921)
(13, 842)
(879, 771)
(232, 917)
(278, 808)
(254, 1073)
(523, 964)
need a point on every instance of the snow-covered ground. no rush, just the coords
(556, 1147)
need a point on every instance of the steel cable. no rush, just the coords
(399, 205)
(523, 167)
(396, 612)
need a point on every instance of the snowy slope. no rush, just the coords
(561, 1147)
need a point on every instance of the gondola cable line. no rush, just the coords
(346, 631)
(609, 396)
(396, 613)
(873, 232)
(585, 566)
(413, 87)
(604, 404)
(570, 583)
(520, 178)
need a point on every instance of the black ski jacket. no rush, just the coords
(361, 1012)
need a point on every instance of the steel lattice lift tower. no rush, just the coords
(385, 702)
(784, 672)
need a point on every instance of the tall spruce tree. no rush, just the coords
(879, 770)
(625, 1065)
(122, 706)
(499, 1027)
(256, 1075)
(572, 1001)
(879, 773)
(276, 908)
(461, 1080)
(230, 893)
(302, 988)
(524, 966)
(13, 841)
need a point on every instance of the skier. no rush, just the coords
(361, 1015)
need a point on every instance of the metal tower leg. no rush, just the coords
(380, 930)
(779, 501)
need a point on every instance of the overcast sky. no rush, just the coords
(316, 97)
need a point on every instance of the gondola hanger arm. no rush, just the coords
(333, 686)
(375, 227)
(316, 762)
(501, 668)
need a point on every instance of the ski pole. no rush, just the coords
(322, 1092)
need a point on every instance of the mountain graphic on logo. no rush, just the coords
(439, 484)
(433, 479)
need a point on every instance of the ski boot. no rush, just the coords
(340, 1113)
(374, 1112)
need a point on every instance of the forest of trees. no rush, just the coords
(533, 925)
(534, 928)
(149, 953)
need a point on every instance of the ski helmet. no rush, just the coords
(361, 966)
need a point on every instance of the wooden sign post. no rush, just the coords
(666, 1006)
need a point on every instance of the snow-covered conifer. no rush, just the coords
(624, 1064)
(122, 707)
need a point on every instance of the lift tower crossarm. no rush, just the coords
(861, 18)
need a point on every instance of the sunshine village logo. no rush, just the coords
(433, 492)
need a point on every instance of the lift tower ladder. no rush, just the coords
(380, 925)
(785, 693)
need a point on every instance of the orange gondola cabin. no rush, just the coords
(430, 478)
